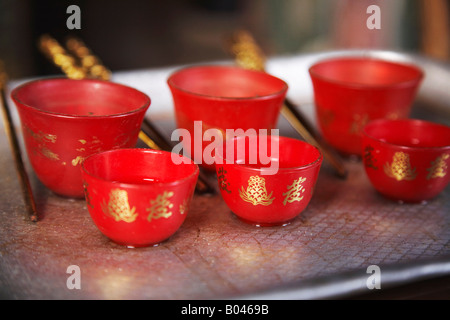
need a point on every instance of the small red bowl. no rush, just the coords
(220, 98)
(350, 92)
(267, 186)
(64, 121)
(138, 197)
(408, 159)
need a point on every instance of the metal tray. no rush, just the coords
(324, 253)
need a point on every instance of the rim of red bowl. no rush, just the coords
(420, 73)
(16, 91)
(171, 83)
(139, 185)
(262, 169)
(410, 122)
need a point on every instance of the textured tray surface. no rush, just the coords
(346, 226)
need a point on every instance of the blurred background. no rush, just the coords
(138, 34)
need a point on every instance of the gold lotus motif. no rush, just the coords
(438, 167)
(400, 168)
(118, 206)
(256, 192)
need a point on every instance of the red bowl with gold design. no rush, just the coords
(351, 91)
(407, 160)
(209, 100)
(267, 180)
(138, 197)
(64, 121)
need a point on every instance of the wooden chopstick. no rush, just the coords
(27, 191)
(80, 62)
(249, 55)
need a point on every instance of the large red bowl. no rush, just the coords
(407, 160)
(221, 98)
(138, 197)
(350, 92)
(268, 182)
(64, 121)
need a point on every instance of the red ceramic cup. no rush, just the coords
(407, 160)
(64, 121)
(221, 98)
(350, 92)
(138, 197)
(267, 193)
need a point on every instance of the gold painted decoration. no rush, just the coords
(392, 116)
(400, 168)
(87, 195)
(359, 121)
(78, 160)
(438, 167)
(256, 192)
(46, 152)
(42, 140)
(95, 145)
(223, 184)
(295, 191)
(159, 207)
(183, 206)
(41, 136)
(118, 206)
(95, 140)
(369, 160)
(92, 146)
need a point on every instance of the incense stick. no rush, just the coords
(25, 185)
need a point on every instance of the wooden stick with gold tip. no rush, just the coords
(13, 140)
(59, 56)
(87, 59)
(248, 55)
